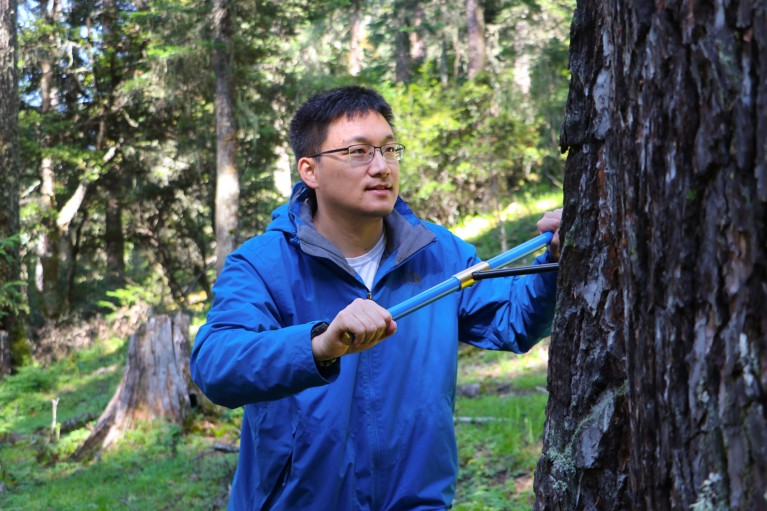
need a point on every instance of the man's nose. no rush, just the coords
(379, 165)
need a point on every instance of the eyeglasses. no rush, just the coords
(364, 153)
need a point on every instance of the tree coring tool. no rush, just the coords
(492, 268)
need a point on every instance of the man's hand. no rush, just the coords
(550, 223)
(359, 327)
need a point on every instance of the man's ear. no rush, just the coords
(307, 169)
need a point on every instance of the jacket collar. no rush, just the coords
(406, 234)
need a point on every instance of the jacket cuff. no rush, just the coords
(329, 372)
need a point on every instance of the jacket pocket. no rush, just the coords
(279, 485)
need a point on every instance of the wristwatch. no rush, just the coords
(317, 329)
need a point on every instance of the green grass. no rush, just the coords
(154, 467)
(499, 431)
(83, 382)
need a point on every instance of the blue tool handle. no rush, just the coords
(425, 298)
(453, 284)
(521, 251)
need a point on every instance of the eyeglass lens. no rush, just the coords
(366, 152)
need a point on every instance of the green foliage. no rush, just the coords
(467, 148)
(134, 118)
(128, 296)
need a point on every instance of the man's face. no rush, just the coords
(352, 189)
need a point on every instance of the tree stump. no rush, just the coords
(156, 383)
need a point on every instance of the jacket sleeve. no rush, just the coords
(242, 354)
(511, 313)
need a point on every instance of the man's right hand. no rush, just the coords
(358, 327)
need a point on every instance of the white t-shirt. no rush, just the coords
(366, 265)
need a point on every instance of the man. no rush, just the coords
(335, 418)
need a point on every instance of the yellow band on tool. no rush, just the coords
(465, 278)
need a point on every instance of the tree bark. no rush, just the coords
(156, 383)
(658, 361)
(9, 169)
(227, 180)
(475, 24)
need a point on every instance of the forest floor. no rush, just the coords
(499, 419)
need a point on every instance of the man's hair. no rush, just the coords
(309, 126)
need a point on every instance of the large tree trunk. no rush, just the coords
(156, 383)
(227, 180)
(658, 362)
(9, 172)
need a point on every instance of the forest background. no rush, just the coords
(152, 140)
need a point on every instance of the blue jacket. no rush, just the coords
(374, 431)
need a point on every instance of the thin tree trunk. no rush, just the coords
(48, 269)
(410, 51)
(417, 42)
(443, 74)
(475, 24)
(402, 61)
(51, 245)
(658, 361)
(356, 55)
(114, 238)
(9, 171)
(227, 180)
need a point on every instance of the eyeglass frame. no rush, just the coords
(399, 152)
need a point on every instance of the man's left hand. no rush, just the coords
(550, 223)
